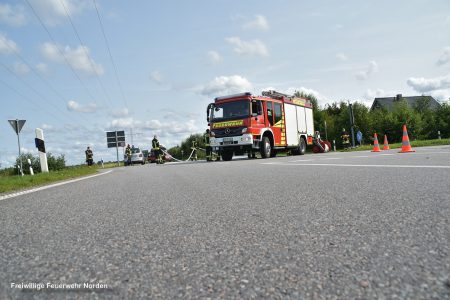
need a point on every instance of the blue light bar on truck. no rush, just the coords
(233, 96)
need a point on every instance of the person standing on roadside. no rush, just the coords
(128, 154)
(345, 139)
(157, 150)
(89, 156)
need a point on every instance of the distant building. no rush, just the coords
(412, 101)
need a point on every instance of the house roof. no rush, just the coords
(388, 102)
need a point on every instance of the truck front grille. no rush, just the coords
(222, 132)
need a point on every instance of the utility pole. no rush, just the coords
(352, 123)
(134, 134)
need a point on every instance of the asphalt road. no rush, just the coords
(356, 225)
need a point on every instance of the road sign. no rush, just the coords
(17, 125)
(115, 139)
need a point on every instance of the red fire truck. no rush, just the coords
(245, 123)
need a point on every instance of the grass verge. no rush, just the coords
(14, 183)
(417, 143)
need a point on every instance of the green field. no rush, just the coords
(13, 183)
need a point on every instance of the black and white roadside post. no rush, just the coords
(17, 126)
(40, 144)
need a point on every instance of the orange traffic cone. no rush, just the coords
(376, 146)
(386, 144)
(406, 146)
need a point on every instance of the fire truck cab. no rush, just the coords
(245, 123)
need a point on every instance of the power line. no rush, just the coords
(85, 51)
(31, 88)
(35, 73)
(110, 55)
(60, 51)
(56, 117)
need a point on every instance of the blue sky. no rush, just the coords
(173, 57)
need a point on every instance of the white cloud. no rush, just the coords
(53, 12)
(445, 57)
(372, 94)
(372, 68)
(12, 15)
(424, 85)
(42, 68)
(320, 98)
(120, 113)
(21, 69)
(156, 77)
(441, 95)
(251, 48)
(46, 127)
(77, 107)
(78, 58)
(157, 127)
(7, 46)
(341, 57)
(50, 128)
(337, 27)
(124, 123)
(259, 23)
(438, 87)
(224, 85)
(214, 57)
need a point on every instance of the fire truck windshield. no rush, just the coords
(229, 110)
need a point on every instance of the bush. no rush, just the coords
(54, 163)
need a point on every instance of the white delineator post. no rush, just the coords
(31, 167)
(42, 154)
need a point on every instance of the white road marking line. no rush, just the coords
(372, 166)
(12, 195)
(332, 158)
(360, 156)
(300, 160)
(416, 153)
(387, 154)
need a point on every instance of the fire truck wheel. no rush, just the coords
(302, 146)
(227, 155)
(265, 148)
(273, 154)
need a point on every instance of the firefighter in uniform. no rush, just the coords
(194, 150)
(157, 150)
(345, 139)
(89, 156)
(208, 148)
(128, 154)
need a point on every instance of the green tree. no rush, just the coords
(186, 145)
(54, 163)
(26, 166)
(443, 120)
